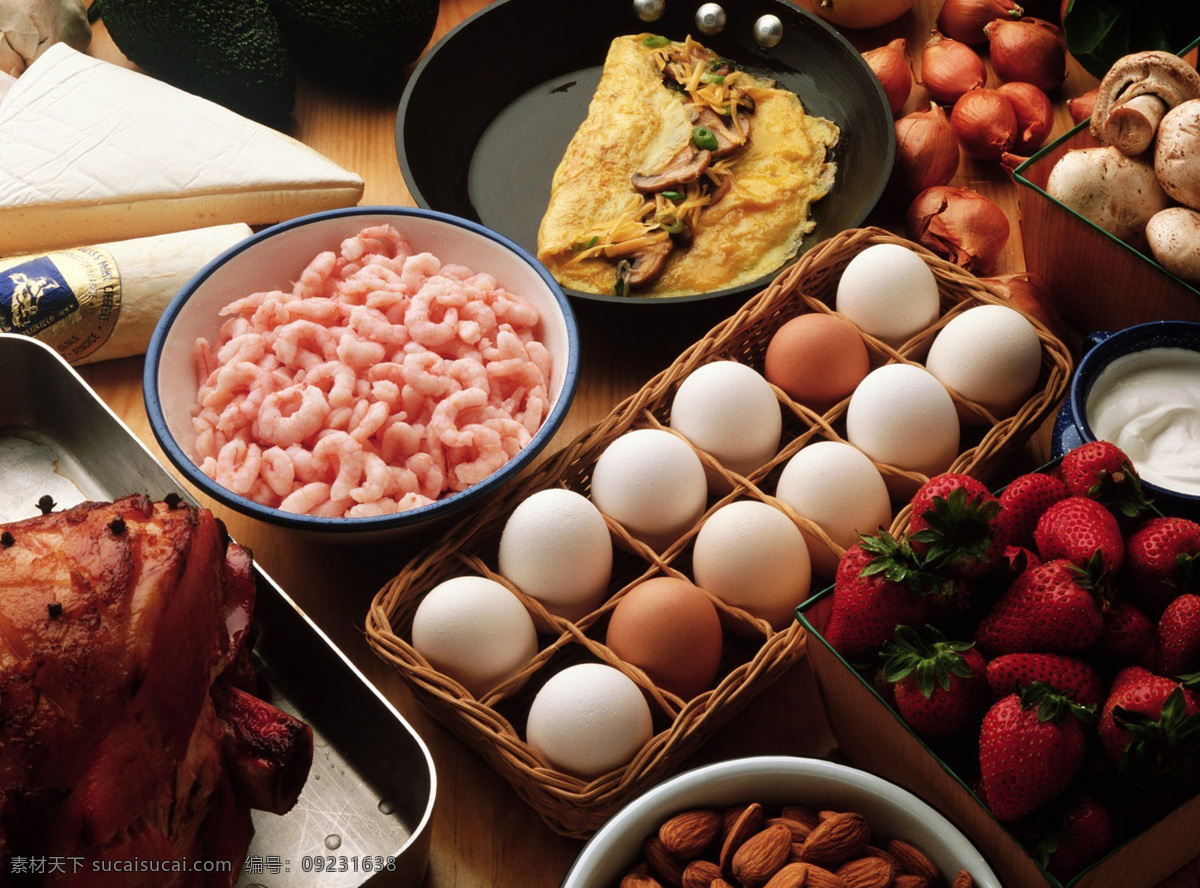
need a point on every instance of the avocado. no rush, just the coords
(228, 51)
(360, 44)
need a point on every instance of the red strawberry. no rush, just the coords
(1080, 529)
(1178, 636)
(1009, 673)
(1022, 503)
(1162, 561)
(951, 525)
(939, 686)
(878, 586)
(1031, 747)
(1085, 836)
(1101, 471)
(1049, 608)
(1147, 720)
(1127, 638)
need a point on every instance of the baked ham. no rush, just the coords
(129, 725)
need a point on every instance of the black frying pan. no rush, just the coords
(487, 114)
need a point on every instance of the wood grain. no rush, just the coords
(484, 835)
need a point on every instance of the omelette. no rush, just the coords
(689, 175)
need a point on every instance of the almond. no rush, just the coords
(801, 814)
(742, 825)
(908, 880)
(686, 835)
(762, 855)
(700, 874)
(639, 877)
(793, 875)
(964, 880)
(663, 864)
(913, 860)
(866, 872)
(837, 839)
(720, 883)
(819, 877)
(873, 851)
(798, 829)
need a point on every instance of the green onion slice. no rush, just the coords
(656, 41)
(580, 246)
(712, 78)
(671, 195)
(703, 138)
(670, 223)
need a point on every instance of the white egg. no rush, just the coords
(475, 631)
(753, 556)
(730, 411)
(588, 719)
(990, 354)
(901, 415)
(838, 488)
(556, 548)
(651, 482)
(889, 292)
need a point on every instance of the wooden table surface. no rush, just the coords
(484, 835)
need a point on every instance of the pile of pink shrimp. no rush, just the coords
(380, 382)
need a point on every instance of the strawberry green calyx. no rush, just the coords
(894, 560)
(931, 663)
(1159, 745)
(1056, 707)
(1101, 471)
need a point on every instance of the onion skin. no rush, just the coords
(964, 19)
(1035, 115)
(1029, 50)
(1081, 106)
(926, 151)
(985, 123)
(890, 65)
(1029, 292)
(958, 224)
(950, 68)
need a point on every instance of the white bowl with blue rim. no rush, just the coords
(1154, 432)
(777, 781)
(273, 259)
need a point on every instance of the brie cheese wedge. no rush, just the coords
(91, 151)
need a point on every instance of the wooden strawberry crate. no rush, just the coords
(874, 737)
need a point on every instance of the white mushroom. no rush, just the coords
(1116, 192)
(1174, 237)
(1177, 154)
(1135, 94)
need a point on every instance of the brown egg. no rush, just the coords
(670, 629)
(816, 358)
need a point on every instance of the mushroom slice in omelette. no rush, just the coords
(688, 176)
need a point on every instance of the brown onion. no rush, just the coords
(1029, 292)
(1035, 114)
(890, 64)
(964, 19)
(960, 224)
(1081, 106)
(1029, 50)
(950, 68)
(926, 151)
(985, 123)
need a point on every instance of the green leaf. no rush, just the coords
(1098, 32)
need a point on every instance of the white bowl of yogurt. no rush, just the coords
(1140, 389)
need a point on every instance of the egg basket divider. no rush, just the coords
(568, 804)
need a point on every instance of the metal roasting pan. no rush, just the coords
(372, 787)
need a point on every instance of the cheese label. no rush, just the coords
(69, 299)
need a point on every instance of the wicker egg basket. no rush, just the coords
(754, 654)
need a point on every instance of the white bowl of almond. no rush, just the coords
(778, 822)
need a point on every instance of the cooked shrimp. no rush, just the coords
(290, 416)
